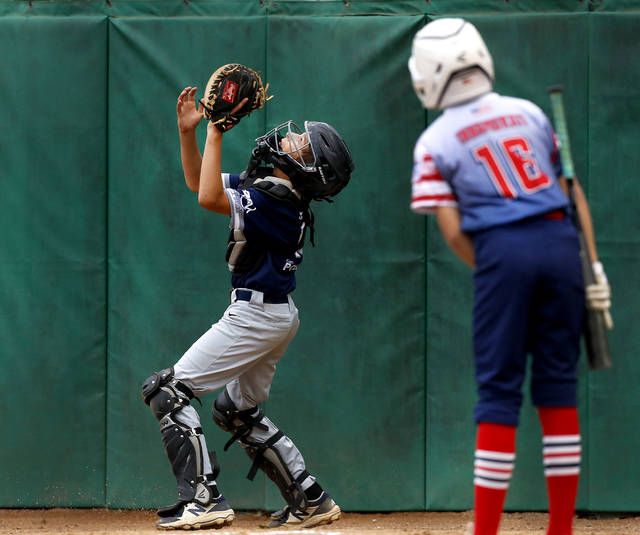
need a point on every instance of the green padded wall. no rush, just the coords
(109, 269)
(52, 261)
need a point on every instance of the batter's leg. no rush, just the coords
(559, 317)
(503, 289)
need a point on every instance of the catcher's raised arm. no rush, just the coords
(226, 88)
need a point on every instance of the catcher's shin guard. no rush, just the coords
(269, 448)
(185, 446)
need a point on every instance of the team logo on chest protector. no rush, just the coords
(247, 202)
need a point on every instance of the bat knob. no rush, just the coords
(608, 320)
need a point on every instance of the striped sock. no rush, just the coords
(562, 455)
(494, 462)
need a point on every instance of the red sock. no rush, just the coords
(495, 457)
(561, 452)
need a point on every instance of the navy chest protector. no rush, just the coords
(244, 255)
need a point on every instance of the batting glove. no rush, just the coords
(598, 295)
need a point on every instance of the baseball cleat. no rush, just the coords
(325, 511)
(194, 515)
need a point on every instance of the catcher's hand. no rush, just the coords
(189, 115)
(228, 86)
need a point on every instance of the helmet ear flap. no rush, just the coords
(333, 161)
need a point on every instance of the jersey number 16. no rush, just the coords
(523, 167)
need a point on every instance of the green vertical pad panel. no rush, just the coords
(52, 261)
(168, 281)
(450, 385)
(614, 194)
(350, 391)
(450, 380)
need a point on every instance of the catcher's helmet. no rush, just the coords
(450, 63)
(319, 169)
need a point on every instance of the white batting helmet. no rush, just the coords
(450, 63)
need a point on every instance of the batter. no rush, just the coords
(488, 168)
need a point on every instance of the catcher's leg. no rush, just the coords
(276, 454)
(200, 503)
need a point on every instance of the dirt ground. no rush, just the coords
(114, 522)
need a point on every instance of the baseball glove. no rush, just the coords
(226, 88)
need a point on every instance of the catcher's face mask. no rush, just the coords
(289, 140)
(316, 159)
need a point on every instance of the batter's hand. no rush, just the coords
(599, 294)
(189, 115)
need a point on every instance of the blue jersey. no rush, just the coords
(271, 230)
(495, 158)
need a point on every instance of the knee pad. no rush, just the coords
(268, 447)
(166, 396)
(227, 416)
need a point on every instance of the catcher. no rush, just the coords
(269, 209)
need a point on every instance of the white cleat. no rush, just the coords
(194, 515)
(324, 512)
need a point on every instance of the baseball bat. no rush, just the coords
(595, 326)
